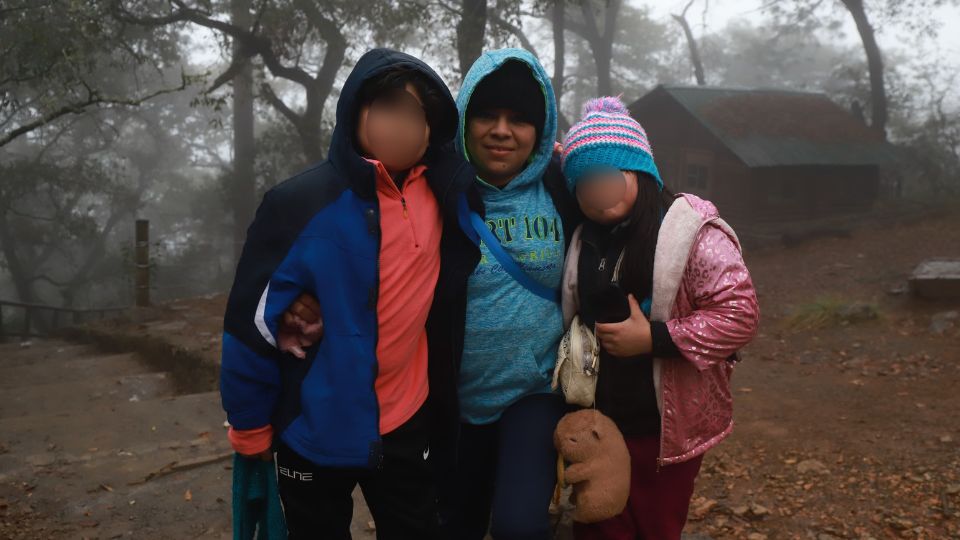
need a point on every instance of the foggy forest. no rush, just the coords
(138, 139)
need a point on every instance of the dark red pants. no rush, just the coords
(658, 503)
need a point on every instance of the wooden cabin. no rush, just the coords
(764, 157)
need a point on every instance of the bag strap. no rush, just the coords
(615, 278)
(477, 230)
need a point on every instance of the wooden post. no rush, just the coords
(142, 260)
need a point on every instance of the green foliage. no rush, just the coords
(72, 184)
(68, 55)
(830, 311)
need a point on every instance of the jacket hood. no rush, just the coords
(484, 66)
(343, 154)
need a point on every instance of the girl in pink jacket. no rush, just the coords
(662, 281)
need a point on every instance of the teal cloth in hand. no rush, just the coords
(257, 513)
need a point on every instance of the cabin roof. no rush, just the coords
(768, 127)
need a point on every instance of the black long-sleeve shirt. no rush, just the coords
(625, 389)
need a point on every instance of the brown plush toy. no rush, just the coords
(599, 464)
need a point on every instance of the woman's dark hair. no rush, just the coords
(395, 79)
(641, 237)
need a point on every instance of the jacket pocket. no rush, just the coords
(491, 379)
(339, 410)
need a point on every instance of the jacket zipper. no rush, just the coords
(376, 340)
(406, 216)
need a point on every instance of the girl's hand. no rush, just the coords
(301, 326)
(627, 338)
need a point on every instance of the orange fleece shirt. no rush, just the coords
(410, 229)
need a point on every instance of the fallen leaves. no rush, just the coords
(812, 466)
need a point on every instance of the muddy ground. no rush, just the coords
(846, 403)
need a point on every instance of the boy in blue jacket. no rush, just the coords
(362, 232)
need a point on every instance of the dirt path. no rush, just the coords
(845, 430)
(81, 433)
(100, 445)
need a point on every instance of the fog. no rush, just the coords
(831, 147)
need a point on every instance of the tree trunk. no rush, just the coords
(470, 32)
(558, 18)
(243, 185)
(878, 92)
(311, 137)
(247, 45)
(604, 85)
(694, 50)
(601, 44)
(18, 275)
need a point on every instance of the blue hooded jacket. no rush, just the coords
(319, 232)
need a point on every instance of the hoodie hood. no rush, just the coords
(343, 154)
(484, 66)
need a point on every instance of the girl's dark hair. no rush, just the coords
(636, 272)
(395, 79)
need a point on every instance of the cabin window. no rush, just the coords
(696, 177)
(668, 166)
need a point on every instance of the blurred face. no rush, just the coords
(500, 143)
(607, 197)
(393, 129)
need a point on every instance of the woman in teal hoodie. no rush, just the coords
(506, 464)
(493, 434)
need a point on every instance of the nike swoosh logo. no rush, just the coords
(426, 453)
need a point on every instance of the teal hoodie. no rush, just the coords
(511, 336)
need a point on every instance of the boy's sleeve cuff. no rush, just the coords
(663, 345)
(249, 442)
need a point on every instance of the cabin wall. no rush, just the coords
(812, 192)
(689, 157)
(692, 160)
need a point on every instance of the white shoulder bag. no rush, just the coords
(578, 359)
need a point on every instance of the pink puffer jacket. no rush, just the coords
(703, 291)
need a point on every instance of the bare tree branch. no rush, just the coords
(93, 99)
(236, 65)
(691, 44)
(250, 43)
(515, 30)
(24, 7)
(266, 91)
